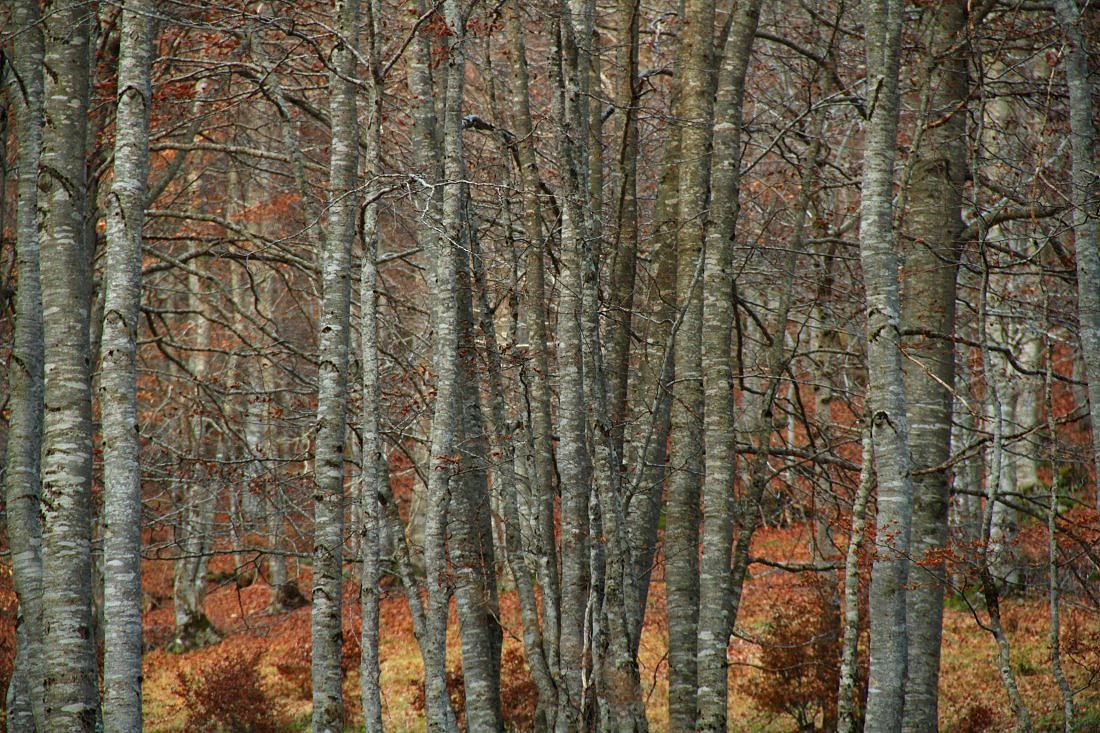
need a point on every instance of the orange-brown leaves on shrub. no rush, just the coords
(978, 717)
(518, 694)
(221, 689)
(799, 667)
(9, 605)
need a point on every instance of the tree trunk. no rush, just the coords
(118, 381)
(719, 313)
(694, 114)
(542, 657)
(573, 459)
(885, 389)
(72, 689)
(931, 254)
(473, 559)
(1085, 197)
(22, 485)
(371, 449)
(328, 507)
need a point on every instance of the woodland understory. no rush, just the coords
(568, 366)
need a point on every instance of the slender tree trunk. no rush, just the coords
(542, 657)
(694, 114)
(849, 654)
(625, 248)
(328, 508)
(573, 459)
(118, 381)
(445, 418)
(885, 391)
(72, 689)
(1085, 197)
(196, 498)
(472, 554)
(22, 464)
(931, 254)
(374, 471)
(719, 313)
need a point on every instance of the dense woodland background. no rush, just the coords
(559, 366)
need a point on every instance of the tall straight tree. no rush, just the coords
(328, 508)
(885, 386)
(72, 686)
(22, 481)
(718, 316)
(373, 473)
(694, 114)
(930, 249)
(1085, 197)
(443, 301)
(574, 467)
(118, 380)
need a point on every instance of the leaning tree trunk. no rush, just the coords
(22, 481)
(931, 255)
(118, 380)
(885, 388)
(72, 685)
(328, 507)
(1085, 197)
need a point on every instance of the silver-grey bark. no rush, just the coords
(118, 377)
(885, 389)
(573, 459)
(72, 689)
(373, 472)
(694, 115)
(473, 558)
(328, 506)
(930, 251)
(719, 314)
(1085, 197)
(22, 463)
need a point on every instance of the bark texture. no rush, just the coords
(931, 253)
(885, 388)
(719, 314)
(118, 377)
(22, 485)
(1085, 197)
(72, 689)
(328, 508)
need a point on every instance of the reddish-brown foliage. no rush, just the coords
(222, 689)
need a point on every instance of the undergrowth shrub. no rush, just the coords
(977, 718)
(518, 694)
(292, 648)
(799, 668)
(9, 605)
(222, 691)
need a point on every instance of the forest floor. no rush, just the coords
(782, 658)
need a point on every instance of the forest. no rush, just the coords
(484, 365)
